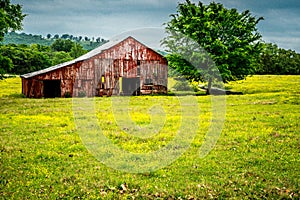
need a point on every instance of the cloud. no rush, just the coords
(284, 42)
(281, 24)
(110, 17)
(94, 17)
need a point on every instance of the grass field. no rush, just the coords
(42, 155)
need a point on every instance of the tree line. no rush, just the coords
(21, 59)
(23, 38)
(76, 38)
(278, 61)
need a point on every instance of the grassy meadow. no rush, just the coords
(257, 156)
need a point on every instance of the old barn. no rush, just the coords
(119, 67)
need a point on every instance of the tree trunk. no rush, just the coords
(209, 86)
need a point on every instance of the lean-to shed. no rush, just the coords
(119, 67)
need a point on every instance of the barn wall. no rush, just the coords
(100, 75)
(34, 87)
(123, 60)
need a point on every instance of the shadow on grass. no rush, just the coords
(170, 93)
(15, 96)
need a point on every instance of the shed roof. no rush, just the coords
(86, 56)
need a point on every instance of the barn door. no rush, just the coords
(131, 86)
(52, 88)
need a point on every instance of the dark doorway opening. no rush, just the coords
(52, 88)
(131, 86)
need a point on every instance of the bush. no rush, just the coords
(182, 86)
(67, 95)
(81, 94)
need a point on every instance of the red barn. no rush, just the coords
(120, 67)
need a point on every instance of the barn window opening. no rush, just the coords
(52, 88)
(102, 82)
(120, 84)
(148, 81)
(138, 71)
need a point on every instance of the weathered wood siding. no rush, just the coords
(34, 87)
(101, 73)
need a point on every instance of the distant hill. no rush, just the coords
(28, 39)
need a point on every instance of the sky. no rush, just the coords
(108, 18)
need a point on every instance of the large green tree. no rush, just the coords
(230, 38)
(10, 17)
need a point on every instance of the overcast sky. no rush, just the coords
(107, 18)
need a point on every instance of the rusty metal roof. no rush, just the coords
(84, 57)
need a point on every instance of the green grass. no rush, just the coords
(256, 157)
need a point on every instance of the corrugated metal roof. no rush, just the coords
(86, 56)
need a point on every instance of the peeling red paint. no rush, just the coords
(102, 74)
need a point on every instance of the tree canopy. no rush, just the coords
(230, 38)
(11, 17)
(275, 60)
(21, 59)
(62, 45)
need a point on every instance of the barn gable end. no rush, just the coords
(116, 68)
